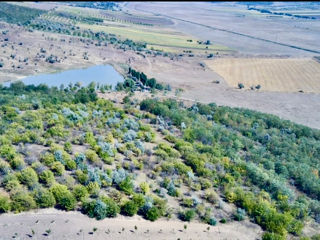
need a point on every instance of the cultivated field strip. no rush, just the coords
(273, 74)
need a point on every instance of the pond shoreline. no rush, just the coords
(96, 71)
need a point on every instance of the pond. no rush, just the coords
(102, 74)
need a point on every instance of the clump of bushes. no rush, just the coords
(64, 198)
(187, 215)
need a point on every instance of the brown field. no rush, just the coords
(273, 74)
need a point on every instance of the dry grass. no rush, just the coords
(273, 74)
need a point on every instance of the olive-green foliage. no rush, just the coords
(8, 152)
(315, 237)
(129, 208)
(67, 147)
(93, 188)
(92, 156)
(145, 187)
(47, 159)
(80, 192)
(126, 185)
(71, 164)
(22, 201)
(4, 204)
(81, 176)
(153, 214)
(272, 236)
(44, 198)
(57, 168)
(112, 208)
(11, 183)
(187, 215)
(241, 156)
(28, 176)
(64, 198)
(17, 162)
(47, 177)
(138, 199)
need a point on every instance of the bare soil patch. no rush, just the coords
(74, 225)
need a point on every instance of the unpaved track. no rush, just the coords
(74, 225)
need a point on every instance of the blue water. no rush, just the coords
(103, 74)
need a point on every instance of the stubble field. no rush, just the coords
(272, 74)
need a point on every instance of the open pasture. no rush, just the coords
(273, 74)
(153, 36)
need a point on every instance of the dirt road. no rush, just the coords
(55, 224)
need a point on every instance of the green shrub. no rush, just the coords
(223, 220)
(8, 152)
(44, 198)
(187, 215)
(64, 198)
(126, 185)
(139, 199)
(153, 214)
(93, 189)
(295, 227)
(240, 214)
(22, 201)
(80, 192)
(112, 208)
(47, 177)
(211, 196)
(17, 162)
(4, 204)
(240, 85)
(12, 185)
(212, 221)
(101, 208)
(187, 202)
(28, 176)
(315, 237)
(129, 208)
(272, 236)
(47, 159)
(81, 177)
(205, 183)
(145, 188)
(92, 156)
(88, 207)
(67, 147)
(71, 165)
(57, 168)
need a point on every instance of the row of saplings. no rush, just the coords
(101, 207)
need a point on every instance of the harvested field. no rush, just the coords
(273, 74)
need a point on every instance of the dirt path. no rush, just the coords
(74, 225)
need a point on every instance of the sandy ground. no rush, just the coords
(74, 225)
